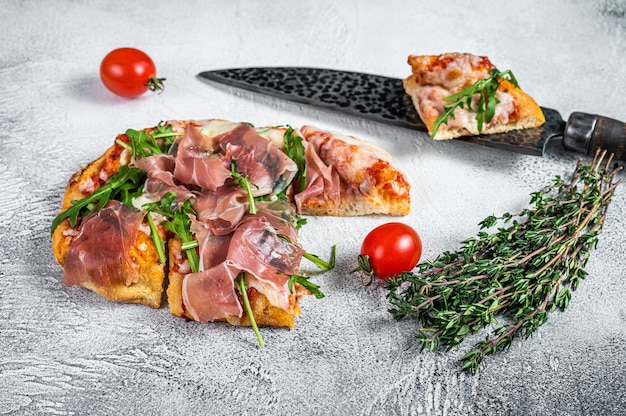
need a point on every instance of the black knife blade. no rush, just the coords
(383, 99)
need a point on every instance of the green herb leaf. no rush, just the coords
(484, 91)
(180, 224)
(243, 290)
(121, 186)
(295, 150)
(128, 182)
(306, 283)
(155, 142)
(321, 264)
(159, 243)
(243, 182)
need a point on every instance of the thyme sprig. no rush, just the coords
(519, 274)
(484, 92)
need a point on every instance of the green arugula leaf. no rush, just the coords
(243, 182)
(321, 264)
(159, 243)
(121, 186)
(306, 283)
(180, 224)
(128, 182)
(299, 221)
(155, 142)
(486, 102)
(243, 290)
(295, 150)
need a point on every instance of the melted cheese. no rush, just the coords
(277, 296)
(365, 147)
(143, 199)
(87, 186)
(216, 127)
(276, 135)
(432, 106)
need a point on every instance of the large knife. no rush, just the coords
(383, 99)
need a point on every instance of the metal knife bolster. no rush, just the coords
(586, 133)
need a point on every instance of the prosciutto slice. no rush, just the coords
(279, 216)
(257, 248)
(213, 248)
(210, 295)
(265, 165)
(100, 252)
(321, 180)
(222, 210)
(195, 162)
(160, 170)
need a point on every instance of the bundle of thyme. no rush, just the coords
(510, 280)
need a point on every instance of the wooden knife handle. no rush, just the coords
(585, 133)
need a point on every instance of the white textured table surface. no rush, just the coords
(66, 351)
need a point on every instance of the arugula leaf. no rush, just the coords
(295, 150)
(321, 264)
(180, 224)
(121, 186)
(485, 108)
(304, 281)
(242, 181)
(128, 182)
(159, 243)
(300, 221)
(243, 290)
(155, 142)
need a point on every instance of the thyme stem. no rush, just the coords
(518, 274)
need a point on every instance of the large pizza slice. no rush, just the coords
(208, 213)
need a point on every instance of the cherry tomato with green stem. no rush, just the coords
(129, 72)
(389, 250)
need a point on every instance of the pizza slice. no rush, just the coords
(108, 251)
(355, 177)
(208, 213)
(459, 94)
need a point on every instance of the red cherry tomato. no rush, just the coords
(391, 249)
(129, 72)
